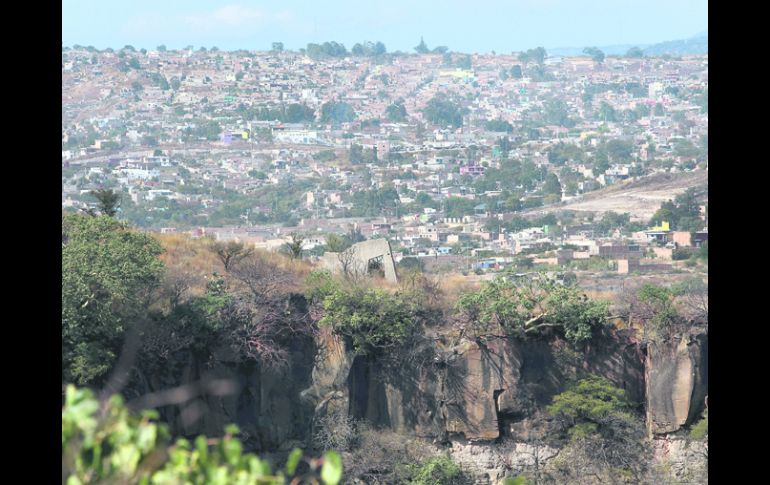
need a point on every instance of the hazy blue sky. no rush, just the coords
(462, 25)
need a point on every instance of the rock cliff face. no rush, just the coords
(676, 382)
(473, 394)
(264, 403)
(466, 396)
(479, 391)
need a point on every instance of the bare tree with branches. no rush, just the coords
(231, 252)
(177, 282)
(349, 265)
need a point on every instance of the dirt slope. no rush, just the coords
(641, 197)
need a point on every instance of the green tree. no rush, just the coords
(552, 185)
(108, 200)
(337, 112)
(374, 320)
(257, 174)
(294, 247)
(556, 112)
(440, 110)
(596, 54)
(607, 112)
(611, 221)
(230, 253)
(590, 406)
(356, 154)
(336, 243)
(379, 49)
(422, 47)
(683, 213)
(635, 52)
(619, 151)
(396, 112)
(528, 306)
(464, 62)
(605, 439)
(108, 275)
(326, 50)
(298, 113)
(536, 55)
(561, 152)
(440, 470)
(498, 125)
(277, 47)
(656, 307)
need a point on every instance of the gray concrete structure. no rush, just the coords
(362, 259)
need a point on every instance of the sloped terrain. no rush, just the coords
(640, 197)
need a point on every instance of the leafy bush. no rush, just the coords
(110, 445)
(373, 319)
(320, 284)
(700, 430)
(605, 439)
(655, 306)
(589, 406)
(528, 306)
(520, 480)
(439, 470)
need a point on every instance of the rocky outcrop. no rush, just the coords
(479, 391)
(676, 382)
(483, 383)
(491, 463)
(263, 402)
(328, 391)
(681, 460)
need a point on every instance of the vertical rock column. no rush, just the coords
(676, 374)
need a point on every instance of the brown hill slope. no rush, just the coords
(640, 197)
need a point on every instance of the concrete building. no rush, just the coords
(364, 258)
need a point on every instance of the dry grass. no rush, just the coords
(192, 252)
(191, 257)
(195, 259)
(455, 284)
(605, 295)
(301, 268)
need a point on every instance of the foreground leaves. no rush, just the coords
(106, 444)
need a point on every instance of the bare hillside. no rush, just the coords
(641, 197)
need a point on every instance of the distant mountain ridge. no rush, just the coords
(692, 46)
(695, 45)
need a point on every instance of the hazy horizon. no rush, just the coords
(481, 26)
